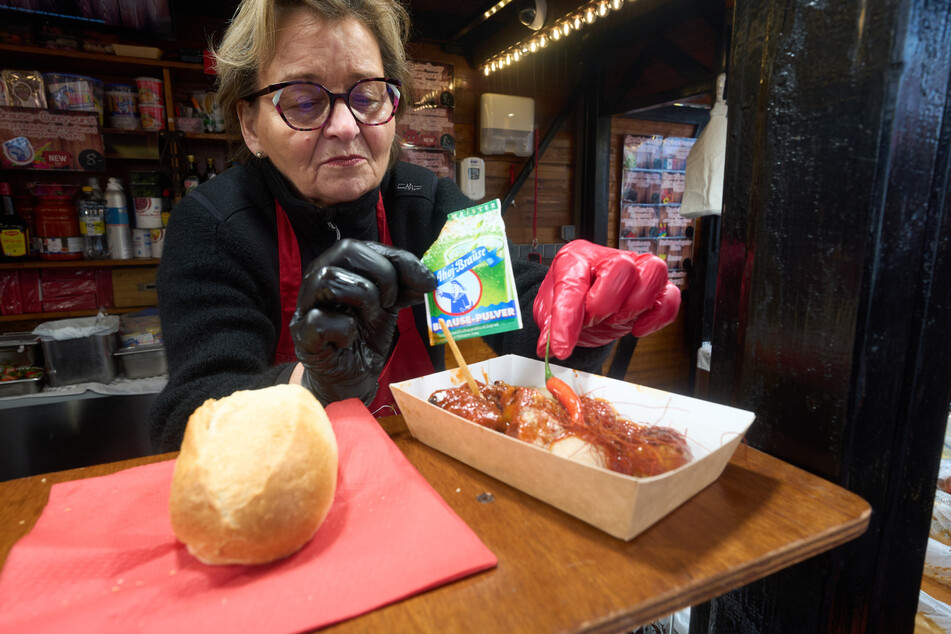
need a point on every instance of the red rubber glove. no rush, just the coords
(593, 295)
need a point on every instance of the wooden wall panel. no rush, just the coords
(662, 360)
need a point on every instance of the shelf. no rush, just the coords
(59, 264)
(122, 157)
(658, 170)
(204, 136)
(68, 314)
(62, 57)
(212, 136)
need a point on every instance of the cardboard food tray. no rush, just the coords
(620, 505)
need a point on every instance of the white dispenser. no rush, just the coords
(472, 177)
(506, 124)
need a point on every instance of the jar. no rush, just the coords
(57, 226)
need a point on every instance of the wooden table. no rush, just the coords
(556, 573)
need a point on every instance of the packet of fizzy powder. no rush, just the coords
(476, 294)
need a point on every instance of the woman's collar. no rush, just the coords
(356, 213)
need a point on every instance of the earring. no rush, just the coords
(259, 154)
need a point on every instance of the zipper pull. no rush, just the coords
(334, 228)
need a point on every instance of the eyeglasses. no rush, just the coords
(306, 105)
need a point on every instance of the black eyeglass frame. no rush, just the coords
(397, 84)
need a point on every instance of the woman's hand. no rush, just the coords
(346, 312)
(593, 295)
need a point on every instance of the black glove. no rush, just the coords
(346, 312)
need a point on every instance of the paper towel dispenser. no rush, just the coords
(506, 124)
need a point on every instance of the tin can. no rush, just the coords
(141, 243)
(158, 241)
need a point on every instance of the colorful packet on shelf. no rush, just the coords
(476, 288)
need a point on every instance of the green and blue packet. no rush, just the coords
(475, 293)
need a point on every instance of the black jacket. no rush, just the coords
(218, 285)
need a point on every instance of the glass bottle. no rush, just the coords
(92, 224)
(192, 177)
(14, 232)
(210, 171)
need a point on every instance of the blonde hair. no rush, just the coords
(250, 42)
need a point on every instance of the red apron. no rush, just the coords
(410, 358)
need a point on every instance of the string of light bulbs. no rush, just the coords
(562, 28)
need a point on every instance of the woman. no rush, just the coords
(302, 264)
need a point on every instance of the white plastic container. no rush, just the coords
(142, 243)
(506, 125)
(117, 222)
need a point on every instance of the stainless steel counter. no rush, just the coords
(43, 435)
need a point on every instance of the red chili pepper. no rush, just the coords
(563, 393)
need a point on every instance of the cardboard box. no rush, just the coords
(69, 303)
(67, 282)
(30, 291)
(50, 140)
(621, 506)
(134, 286)
(104, 287)
(11, 299)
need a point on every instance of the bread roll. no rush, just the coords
(255, 477)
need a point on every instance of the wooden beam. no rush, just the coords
(834, 289)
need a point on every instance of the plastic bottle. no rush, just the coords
(97, 192)
(14, 232)
(117, 222)
(92, 224)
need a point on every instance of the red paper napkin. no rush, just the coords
(103, 558)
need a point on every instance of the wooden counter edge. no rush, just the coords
(396, 427)
(852, 505)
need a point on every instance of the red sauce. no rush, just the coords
(462, 402)
(529, 415)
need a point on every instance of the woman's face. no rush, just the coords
(342, 160)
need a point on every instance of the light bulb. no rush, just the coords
(603, 8)
(556, 34)
(589, 15)
(616, 4)
(542, 41)
(517, 55)
(486, 71)
(576, 21)
(566, 28)
(533, 46)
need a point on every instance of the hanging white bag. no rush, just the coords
(703, 183)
